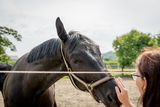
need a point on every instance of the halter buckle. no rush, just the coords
(89, 87)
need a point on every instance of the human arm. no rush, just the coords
(122, 94)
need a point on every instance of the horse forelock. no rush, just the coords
(46, 49)
(76, 38)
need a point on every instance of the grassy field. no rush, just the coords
(10, 62)
(126, 73)
(119, 70)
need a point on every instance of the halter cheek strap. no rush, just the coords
(89, 86)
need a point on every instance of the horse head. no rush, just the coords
(82, 54)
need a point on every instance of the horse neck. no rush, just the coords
(43, 81)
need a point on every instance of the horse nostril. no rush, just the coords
(109, 99)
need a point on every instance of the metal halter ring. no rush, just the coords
(89, 87)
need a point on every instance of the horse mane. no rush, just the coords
(46, 49)
(52, 46)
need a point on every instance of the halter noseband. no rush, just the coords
(89, 86)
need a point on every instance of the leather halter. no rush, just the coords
(89, 86)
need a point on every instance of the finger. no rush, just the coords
(121, 81)
(117, 91)
(119, 84)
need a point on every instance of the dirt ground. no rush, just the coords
(68, 96)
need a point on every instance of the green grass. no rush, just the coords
(12, 62)
(65, 77)
(119, 70)
(121, 74)
(110, 62)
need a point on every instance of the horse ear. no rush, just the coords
(61, 30)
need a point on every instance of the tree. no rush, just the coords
(6, 43)
(156, 39)
(128, 46)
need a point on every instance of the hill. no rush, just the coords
(109, 55)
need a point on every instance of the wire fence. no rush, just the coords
(64, 72)
(117, 66)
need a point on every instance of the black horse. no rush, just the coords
(4, 67)
(72, 50)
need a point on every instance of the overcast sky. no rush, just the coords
(100, 20)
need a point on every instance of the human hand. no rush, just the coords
(122, 94)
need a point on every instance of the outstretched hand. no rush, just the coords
(122, 93)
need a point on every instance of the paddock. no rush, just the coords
(68, 96)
